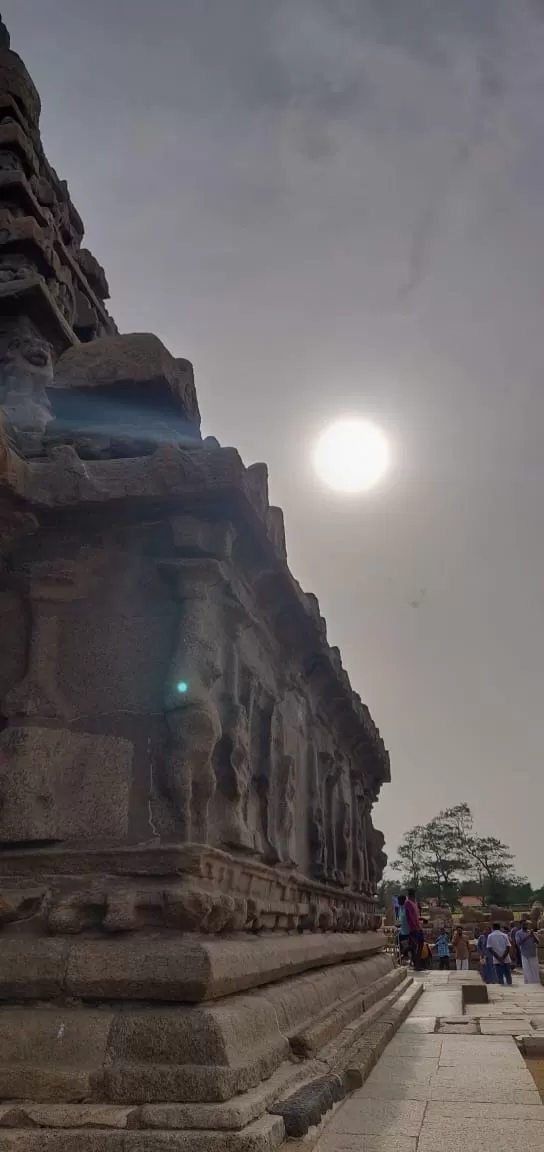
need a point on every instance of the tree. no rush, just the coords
(447, 852)
(428, 858)
(486, 855)
(442, 858)
(410, 859)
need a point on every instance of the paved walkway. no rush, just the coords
(466, 1086)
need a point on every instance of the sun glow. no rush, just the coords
(351, 456)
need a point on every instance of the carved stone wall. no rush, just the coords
(166, 680)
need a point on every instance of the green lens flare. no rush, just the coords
(182, 687)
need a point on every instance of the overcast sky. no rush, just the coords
(331, 207)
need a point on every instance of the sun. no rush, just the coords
(351, 456)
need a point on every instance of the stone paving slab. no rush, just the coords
(483, 1095)
(465, 1042)
(446, 1109)
(506, 1027)
(423, 1024)
(448, 1090)
(396, 1090)
(363, 1117)
(509, 1061)
(498, 1050)
(500, 1136)
(467, 1074)
(493, 1011)
(402, 1068)
(470, 1028)
(343, 1142)
(415, 1047)
(439, 1004)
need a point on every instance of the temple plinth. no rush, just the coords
(188, 861)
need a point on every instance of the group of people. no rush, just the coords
(499, 951)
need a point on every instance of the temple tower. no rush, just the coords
(187, 856)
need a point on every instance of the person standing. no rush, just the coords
(527, 942)
(403, 928)
(462, 950)
(414, 928)
(499, 947)
(514, 949)
(443, 949)
(487, 970)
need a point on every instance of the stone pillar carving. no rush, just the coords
(360, 847)
(283, 782)
(316, 818)
(342, 826)
(329, 778)
(233, 752)
(48, 584)
(261, 749)
(192, 717)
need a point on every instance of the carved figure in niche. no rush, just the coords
(316, 829)
(286, 791)
(360, 853)
(283, 787)
(377, 858)
(342, 826)
(194, 730)
(192, 717)
(330, 773)
(233, 771)
(261, 757)
(26, 370)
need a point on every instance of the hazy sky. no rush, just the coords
(331, 207)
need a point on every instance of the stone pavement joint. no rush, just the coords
(439, 1085)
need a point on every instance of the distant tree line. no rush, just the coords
(447, 859)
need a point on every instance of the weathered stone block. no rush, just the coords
(42, 1084)
(32, 968)
(56, 784)
(146, 1084)
(159, 967)
(50, 1036)
(264, 1135)
(304, 1109)
(137, 361)
(223, 1034)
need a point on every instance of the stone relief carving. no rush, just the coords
(316, 815)
(342, 825)
(283, 788)
(360, 851)
(192, 716)
(233, 772)
(26, 371)
(194, 730)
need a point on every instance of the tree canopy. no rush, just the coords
(447, 858)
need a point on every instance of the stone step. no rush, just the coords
(264, 1135)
